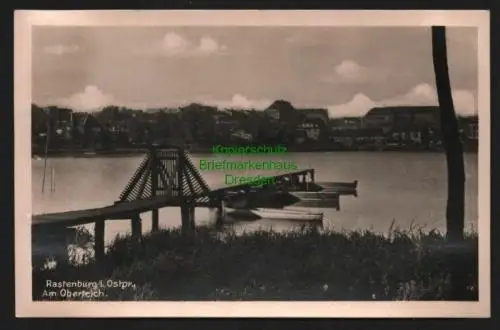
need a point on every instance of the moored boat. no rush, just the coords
(315, 195)
(276, 214)
(318, 203)
(342, 188)
(260, 198)
(289, 214)
(352, 185)
(320, 186)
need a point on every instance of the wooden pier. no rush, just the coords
(165, 178)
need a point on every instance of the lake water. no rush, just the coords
(405, 187)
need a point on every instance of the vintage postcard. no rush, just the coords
(252, 163)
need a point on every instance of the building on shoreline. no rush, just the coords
(281, 122)
(402, 118)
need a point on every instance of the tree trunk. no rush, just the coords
(451, 138)
(455, 168)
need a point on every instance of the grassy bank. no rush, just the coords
(263, 265)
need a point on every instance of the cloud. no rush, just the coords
(91, 99)
(61, 49)
(359, 105)
(424, 94)
(348, 72)
(420, 95)
(174, 44)
(239, 101)
(210, 45)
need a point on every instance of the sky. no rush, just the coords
(347, 70)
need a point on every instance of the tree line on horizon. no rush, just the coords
(194, 123)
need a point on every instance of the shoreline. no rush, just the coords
(137, 152)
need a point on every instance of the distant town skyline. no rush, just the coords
(347, 70)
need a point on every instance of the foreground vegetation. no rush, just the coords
(299, 265)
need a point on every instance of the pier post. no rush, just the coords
(154, 188)
(216, 203)
(304, 184)
(312, 175)
(187, 205)
(99, 248)
(219, 220)
(136, 225)
(187, 217)
(192, 224)
(155, 219)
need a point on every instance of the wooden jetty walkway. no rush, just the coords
(165, 178)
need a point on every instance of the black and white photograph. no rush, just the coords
(243, 161)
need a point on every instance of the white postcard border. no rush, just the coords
(24, 20)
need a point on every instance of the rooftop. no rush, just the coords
(314, 113)
(383, 111)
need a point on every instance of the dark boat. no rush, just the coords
(343, 185)
(318, 199)
(260, 198)
(276, 214)
(342, 188)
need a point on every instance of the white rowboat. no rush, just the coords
(277, 214)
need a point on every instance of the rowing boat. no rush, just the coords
(351, 185)
(262, 198)
(276, 214)
(329, 195)
(318, 203)
(342, 188)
